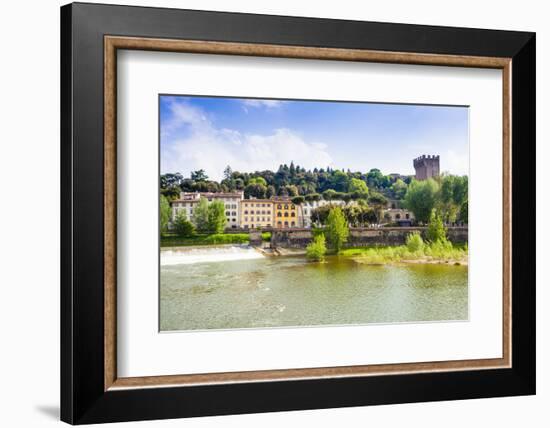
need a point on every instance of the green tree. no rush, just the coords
(317, 249)
(329, 195)
(453, 194)
(376, 179)
(357, 185)
(200, 215)
(228, 173)
(399, 189)
(378, 203)
(464, 212)
(182, 226)
(165, 212)
(339, 181)
(337, 230)
(255, 190)
(415, 243)
(421, 198)
(298, 200)
(270, 191)
(216, 217)
(319, 215)
(258, 180)
(313, 197)
(436, 230)
(199, 175)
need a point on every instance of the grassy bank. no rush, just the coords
(430, 253)
(212, 239)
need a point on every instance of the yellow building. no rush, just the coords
(256, 213)
(285, 213)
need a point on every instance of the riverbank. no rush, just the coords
(437, 253)
(209, 239)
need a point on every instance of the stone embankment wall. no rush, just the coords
(300, 238)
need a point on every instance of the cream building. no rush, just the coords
(308, 206)
(256, 213)
(189, 200)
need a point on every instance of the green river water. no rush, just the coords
(290, 291)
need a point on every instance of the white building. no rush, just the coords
(189, 200)
(186, 203)
(399, 215)
(308, 206)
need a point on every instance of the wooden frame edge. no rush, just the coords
(112, 43)
(109, 198)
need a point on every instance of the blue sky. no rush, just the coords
(255, 134)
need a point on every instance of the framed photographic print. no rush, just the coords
(265, 213)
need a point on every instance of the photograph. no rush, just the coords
(304, 213)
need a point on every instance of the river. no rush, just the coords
(237, 287)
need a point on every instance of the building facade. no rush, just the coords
(285, 213)
(308, 206)
(256, 213)
(426, 166)
(186, 203)
(231, 203)
(399, 215)
(189, 200)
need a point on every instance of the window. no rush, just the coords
(293, 214)
(252, 225)
(246, 226)
(286, 207)
(246, 212)
(279, 224)
(279, 206)
(293, 224)
(227, 206)
(246, 219)
(257, 218)
(397, 216)
(286, 214)
(252, 212)
(286, 223)
(268, 225)
(263, 218)
(233, 219)
(234, 213)
(227, 213)
(279, 214)
(407, 216)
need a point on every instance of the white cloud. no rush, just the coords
(456, 163)
(212, 149)
(263, 103)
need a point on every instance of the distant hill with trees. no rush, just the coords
(448, 194)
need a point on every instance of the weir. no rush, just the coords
(206, 255)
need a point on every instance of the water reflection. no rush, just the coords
(289, 291)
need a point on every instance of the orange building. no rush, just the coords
(285, 213)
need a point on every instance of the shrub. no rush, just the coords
(182, 226)
(415, 244)
(317, 249)
(436, 230)
(337, 230)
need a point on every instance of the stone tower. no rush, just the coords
(426, 166)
